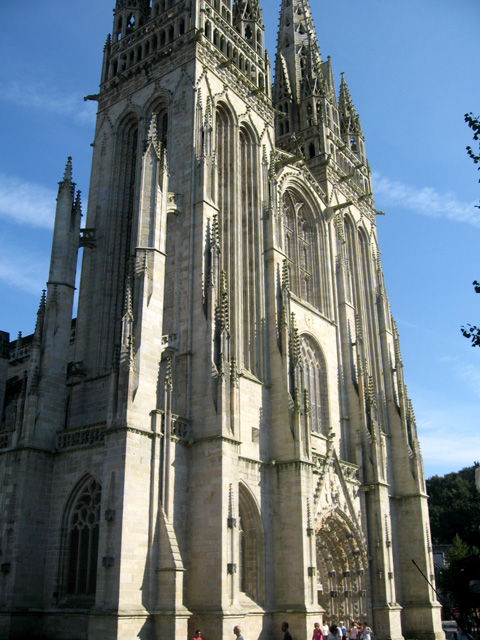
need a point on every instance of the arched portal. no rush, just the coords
(341, 567)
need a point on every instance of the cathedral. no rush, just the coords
(223, 435)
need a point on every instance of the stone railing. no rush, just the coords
(180, 427)
(83, 437)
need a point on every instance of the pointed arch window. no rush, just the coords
(82, 524)
(300, 247)
(350, 233)
(251, 547)
(223, 187)
(306, 249)
(225, 180)
(162, 125)
(314, 381)
(124, 178)
(250, 212)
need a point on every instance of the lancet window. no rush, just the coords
(371, 327)
(236, 186)
(314, 381)
(82, 521)
(306, 252)
(351, 256)
(162, 124)
(251, 547)
(224, 181)
(363, 294)
(125, 182)
(250, 213)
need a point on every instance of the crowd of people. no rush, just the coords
(355, 631)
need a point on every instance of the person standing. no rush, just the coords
(366, 632)
(334, 632)
(317, 632)
(352, 630)
(287, 634)
(197, 634)
(238, 632)
(325, 630)
(462, 630)
(343, 629)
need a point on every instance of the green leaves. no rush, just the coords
(474, 124)
(463, 566)
(454, 505)
(471, 332)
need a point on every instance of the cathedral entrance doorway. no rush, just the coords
(342, 567)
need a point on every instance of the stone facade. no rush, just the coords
(223, 436)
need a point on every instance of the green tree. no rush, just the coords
(463, 566)
(472, 332)
(474, 124)
(454, 506)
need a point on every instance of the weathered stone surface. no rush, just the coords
(223, 436)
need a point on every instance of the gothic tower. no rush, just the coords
(223, 435)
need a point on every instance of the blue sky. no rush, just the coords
(413, 71)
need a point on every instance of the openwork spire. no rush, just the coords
(133, 5)
(247, 20)
(298, 64)
(349, 120)
(128, 16)
(247, 10)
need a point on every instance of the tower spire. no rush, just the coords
(350, 127)
(247, 20)
(349, 121)
(298, 56)
(128, 16)
(303, 83)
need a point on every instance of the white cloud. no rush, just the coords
(22, 271)
(470, 376)
(466, 373)
(37, 96)
(26, 202)
(443, 454)
(426, 201)
(449, 437)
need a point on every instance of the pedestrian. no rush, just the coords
(462, 630)
(352, 630)
(197, 634)
(325, 629)
(367, 632)
(343, 629)
(238, 632)
(287, 634)
(317, 632)
(334, 632)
